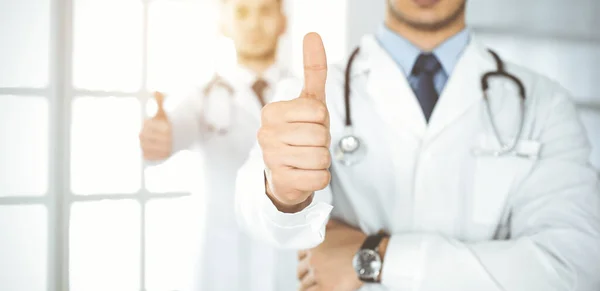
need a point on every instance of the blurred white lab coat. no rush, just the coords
(458, 221)
(229, 260)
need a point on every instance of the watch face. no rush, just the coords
(367, 264)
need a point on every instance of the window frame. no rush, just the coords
(69, 93)
(60, 94)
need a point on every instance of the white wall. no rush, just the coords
(363, 17)
(559, 38)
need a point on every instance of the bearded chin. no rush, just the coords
(258, 56)
(427, 26)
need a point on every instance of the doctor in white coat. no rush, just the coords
(427, 208)
(221, 120)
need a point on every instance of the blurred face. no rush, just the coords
(427, 14)
(254, 26)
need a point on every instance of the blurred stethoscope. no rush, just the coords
(216, 82)
(352, 149)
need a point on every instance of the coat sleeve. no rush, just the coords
(185, 121)
(555, 229)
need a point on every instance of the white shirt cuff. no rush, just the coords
(311, 221)
(403, 262)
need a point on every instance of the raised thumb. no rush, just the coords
(315, 67)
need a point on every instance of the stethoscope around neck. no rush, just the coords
(352, 149)
(216, 82)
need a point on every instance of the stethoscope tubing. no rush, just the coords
(506, 147)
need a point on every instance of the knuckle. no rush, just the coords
(271, 160)
(320, 112)
(323, 136)
(265, 136)
(270, 112)
(322, 180)
(311, 95)
(315, 67)
(266, 113)
(324, 159)
(262, 135)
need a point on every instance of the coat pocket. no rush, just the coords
(494, 181)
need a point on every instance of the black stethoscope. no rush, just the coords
(351, 149)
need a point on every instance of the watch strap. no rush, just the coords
(368, 280)
(372, 242)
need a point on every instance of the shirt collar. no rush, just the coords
(245, 77)
(405, 54)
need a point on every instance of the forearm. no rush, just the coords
(186, 129)
(554, 227)
(546, 261)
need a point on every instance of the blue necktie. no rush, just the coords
(425, 68)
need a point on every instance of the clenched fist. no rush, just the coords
(294, 136)
(156, 136)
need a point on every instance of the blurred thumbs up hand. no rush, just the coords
(156, 136)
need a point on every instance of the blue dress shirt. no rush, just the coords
(405, 54)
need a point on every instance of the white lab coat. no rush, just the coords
(229, 259)
(448, 211)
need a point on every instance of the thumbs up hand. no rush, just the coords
(156, 134)
(295, 138)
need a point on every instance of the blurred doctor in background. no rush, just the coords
(221, 119)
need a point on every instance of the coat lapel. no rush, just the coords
(463, 89)
(389, 89)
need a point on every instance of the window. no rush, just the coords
(79, 208)
(121, 210)
(26, 207)
(74, 191)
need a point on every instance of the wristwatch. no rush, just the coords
(367, 262)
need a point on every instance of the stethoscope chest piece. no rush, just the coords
(350, 149)
(349, 144)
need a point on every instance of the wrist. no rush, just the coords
(286, 208)
(368, 261)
